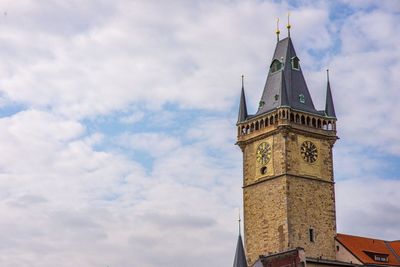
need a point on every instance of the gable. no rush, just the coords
(368, 250)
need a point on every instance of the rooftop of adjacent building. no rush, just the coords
(368, 251)
(371, 251)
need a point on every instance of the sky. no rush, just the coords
(117, 123)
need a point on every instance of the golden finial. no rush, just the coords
(239, 223)
(277, 29)
(288, 26)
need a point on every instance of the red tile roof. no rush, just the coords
(396, 247)
(360, 247)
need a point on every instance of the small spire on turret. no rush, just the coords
(242, 106)
(277, 29)
(329, 106)
(288, 26)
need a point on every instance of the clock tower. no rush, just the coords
(288, 184)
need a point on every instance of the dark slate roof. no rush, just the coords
(284, 87)
(240, 256)
(242, 107)
(329, 107)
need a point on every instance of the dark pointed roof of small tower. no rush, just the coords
(242, 106)
(240, 256)
(286, 83)
(329, 106)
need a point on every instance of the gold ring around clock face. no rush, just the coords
(264, 153)
(309, 151)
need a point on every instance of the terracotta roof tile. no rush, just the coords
(396, 247)
(362, 246)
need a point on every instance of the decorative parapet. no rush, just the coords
(284, 116)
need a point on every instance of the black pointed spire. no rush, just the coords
(240, 256)
(285, 74)
(329, 107)
(242, 107)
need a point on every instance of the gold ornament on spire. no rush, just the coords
(240, 231)
(288, 26)
(277, 29)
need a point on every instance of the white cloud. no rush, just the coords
(369, 208)
(63, 199)
(365, 86)
(128, 53)
(132, 118)
(155, 144)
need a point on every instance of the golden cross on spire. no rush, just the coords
(277, 29)
(288, 26)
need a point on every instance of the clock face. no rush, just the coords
(264, 153)
(309, 151)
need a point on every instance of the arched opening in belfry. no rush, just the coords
(308, 121)
(297, 118)
(319, 123)
(271, 120)
(257, 126)
(291, 117)
(329, 125)
(276, 118)
(303, 119)
(283, 114)
(314, 122)
(252, 127)
(262, 123)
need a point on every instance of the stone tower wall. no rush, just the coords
(265, 218)
(281, 205)
(311, 205)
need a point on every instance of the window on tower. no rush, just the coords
(276, 65)
(311, 234)
(302, 99)
(295, 63)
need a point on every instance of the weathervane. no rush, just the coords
(277, 29)
(239, 223)
(288, 26)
